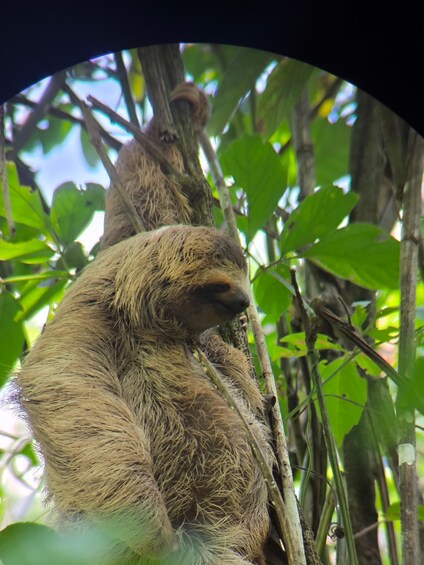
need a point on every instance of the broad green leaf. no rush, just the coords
(26, 204)
(45, 275)
(238, 79)
(200, 62)
(257, 169)
(90, 154)
(11, 334)
(55, 133)
(331, 150)
(73, 258)
(36, 296)
(29, 543)
(271, 288)
(345, 396)
(32, 251)
(393, 512)
(317, 215)
(284, 86)
(72, 209)
(360, 253)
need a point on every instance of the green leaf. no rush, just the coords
(72, 209)
(360, 253)
(28, 451)
(55, 133)
(89, 152)
(33, 251)
(29, 543)
(331, 150)
(393, 512)
(199, 62)
(12, 335)
(73, 258)
(35, 297)
(284, 86)
(26, 204)
(345, 396)
(257, 169)
(272, 293)
(317, 215)
(238, 79)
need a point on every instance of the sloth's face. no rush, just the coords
(216, 301)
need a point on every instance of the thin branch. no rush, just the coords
(28, 128)
(94, 134)
(3, 176)
(126, 90)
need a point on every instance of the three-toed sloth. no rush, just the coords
(128, 422)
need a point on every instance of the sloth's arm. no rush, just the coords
(97, 458)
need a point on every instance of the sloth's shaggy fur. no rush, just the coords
(125, 417)
(157, 201)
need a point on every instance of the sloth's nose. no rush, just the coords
(236, 300)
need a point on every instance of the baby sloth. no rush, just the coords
(128, 423)
(157, 200)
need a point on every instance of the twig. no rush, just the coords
(53, 87)
(406, 416)
(312, 359)
(94, 134)
(3, 176)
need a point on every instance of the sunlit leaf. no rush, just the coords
(360, 253)
(26, 204)
(317, 215)
(331, 150)
(72, 209)
(257, 169)
(36, 296)
(345, 396)
(32, 251)
(238, 79)
(284, 86)
(11, 334)
(271, 290)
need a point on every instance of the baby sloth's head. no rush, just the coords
(182, 279)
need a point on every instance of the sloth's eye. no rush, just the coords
(216, 288)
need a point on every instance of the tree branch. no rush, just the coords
(53, 87)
